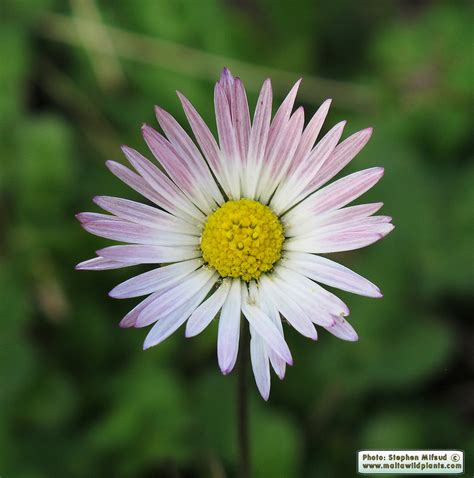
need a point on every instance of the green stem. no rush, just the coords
(242, 403)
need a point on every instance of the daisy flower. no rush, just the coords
(237, 226)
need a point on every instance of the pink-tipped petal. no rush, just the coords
(342, 329)
(137, 183)
(171, 198)
(258, 139)
(174, 164)
(339, 241)
(306, 171)
(342, 155)
(310, 134)
(188, 153)
(131, 318)
(146, 215)
(338, 194)
(279, 158)
(124, 231)
(227, 140)
(206, 142)
(85, 217)
(241, 119)
(282, 116)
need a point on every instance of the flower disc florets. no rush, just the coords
(242, 239)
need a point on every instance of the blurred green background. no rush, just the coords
(78, 396)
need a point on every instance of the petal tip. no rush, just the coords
(189, 332)
(146, 345)
(126, 323)
(226, 73)
(265, 395)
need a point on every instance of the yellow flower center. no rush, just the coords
(242, 239)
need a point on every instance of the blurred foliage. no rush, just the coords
(78, 397)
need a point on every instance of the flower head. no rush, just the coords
(237, 226)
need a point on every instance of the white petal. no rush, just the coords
(310, 295)
(330, 273)
(269, 309)
(155, 279)
(260, 364)
(174, 319)
(101, 264)
(140, 254)
(293, 311)
(204, 314)
(229, 329)
(175, 297)
(266, 328)
(301, 224)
